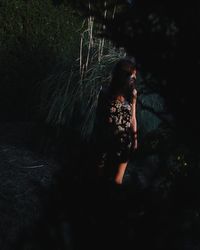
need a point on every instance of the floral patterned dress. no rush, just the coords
(119, 123)
(113, 129)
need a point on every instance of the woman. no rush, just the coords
(116, 125)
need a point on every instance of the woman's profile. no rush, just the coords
(116, 124)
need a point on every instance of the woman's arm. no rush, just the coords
(134, 120)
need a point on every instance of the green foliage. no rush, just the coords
(35, 38)
(168, 160)
(38, 22)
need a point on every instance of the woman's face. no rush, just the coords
(130, 85)
(133, 76)
(132, 80)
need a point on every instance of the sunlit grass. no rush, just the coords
(69, 97)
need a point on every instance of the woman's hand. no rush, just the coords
(134, 92)
(135, 145)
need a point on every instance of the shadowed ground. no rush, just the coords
(46, 202)
(23, 173)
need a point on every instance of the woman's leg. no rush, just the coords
(120, 172)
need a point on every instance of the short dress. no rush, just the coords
(114, 136)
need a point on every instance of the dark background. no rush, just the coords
(48, 197)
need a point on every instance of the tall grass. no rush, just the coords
(69, 97)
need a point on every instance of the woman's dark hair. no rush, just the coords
(121, 83)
